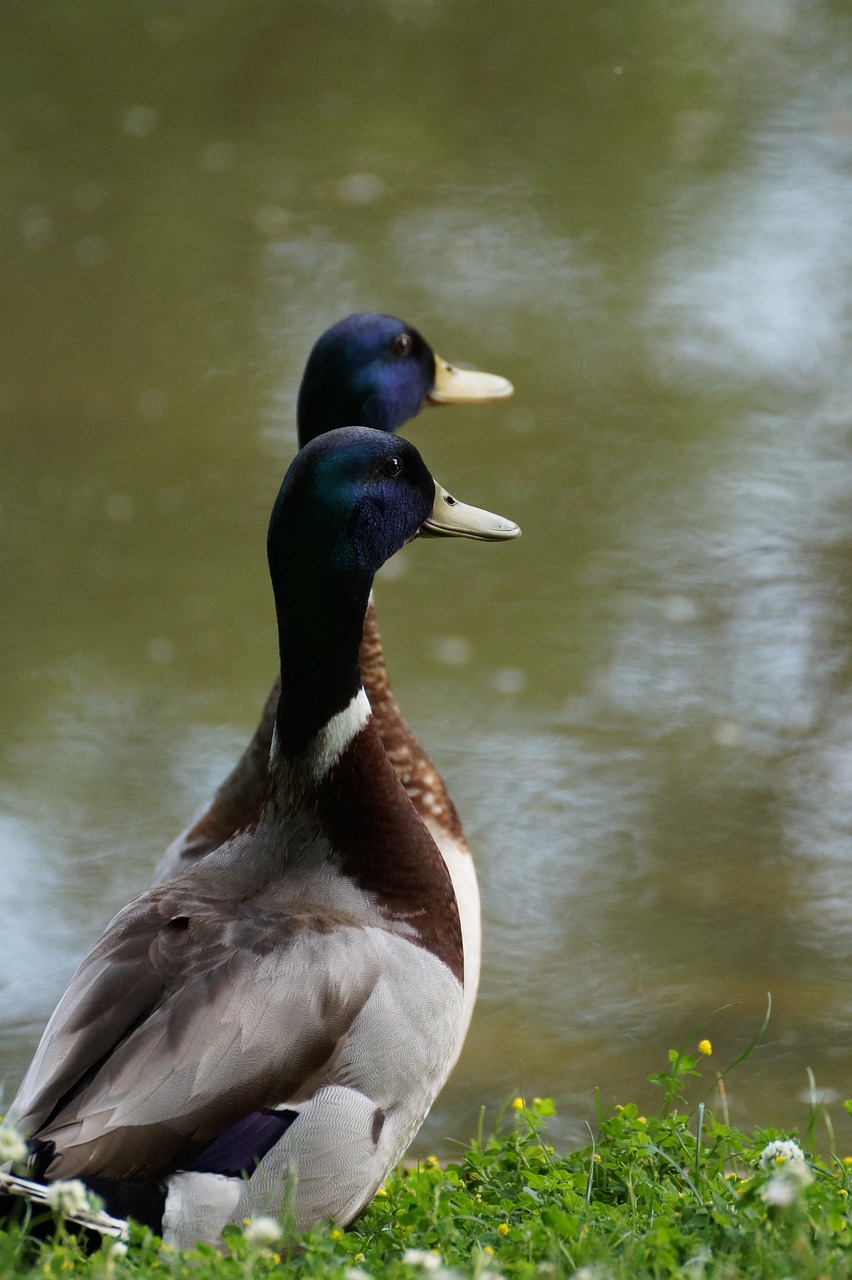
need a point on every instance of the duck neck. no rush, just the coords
(319, 635)
(329, 397)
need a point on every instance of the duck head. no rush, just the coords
(350, 499)
(378, 371)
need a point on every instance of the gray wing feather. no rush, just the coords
(112, 988)
(183, 1020)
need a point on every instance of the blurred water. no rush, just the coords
(641, 216)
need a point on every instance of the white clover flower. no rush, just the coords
(68, 1198)
(356, 1273)
(118, 1249)
(428, 1259)
(776, 1154)
(782, 1191)
(13, 1148)
(790, 1178)
(262, 1232)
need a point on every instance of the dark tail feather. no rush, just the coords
(145, 1202)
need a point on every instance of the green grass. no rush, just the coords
(676, 1193)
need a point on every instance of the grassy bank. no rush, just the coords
(675, 1193)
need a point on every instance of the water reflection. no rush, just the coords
(759, 285)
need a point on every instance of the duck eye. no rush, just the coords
(392, 466)
(402, 344)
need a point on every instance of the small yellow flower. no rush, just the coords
(841, 1191)
(641, 1120)
(432, 1162)
(705, 1047)
(335, 1234)
(597, 1157)
(381, 1192)
(503, 1228)
(537, 1102)
(359, 1257)
(487, 1249)
(847, 1159)
(518, 1104)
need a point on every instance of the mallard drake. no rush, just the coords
(266, 1031)
(374, 371)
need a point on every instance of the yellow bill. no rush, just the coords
(466, 386)
(453, 519)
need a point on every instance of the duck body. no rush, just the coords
(266, 1031)
(376, 371)
(343, 1019)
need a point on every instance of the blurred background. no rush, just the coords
(642, 215)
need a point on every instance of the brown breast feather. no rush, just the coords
(383, 846)
(240, 794)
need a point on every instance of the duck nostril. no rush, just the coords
(449, 499)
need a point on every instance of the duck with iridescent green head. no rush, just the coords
(265, 1032)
